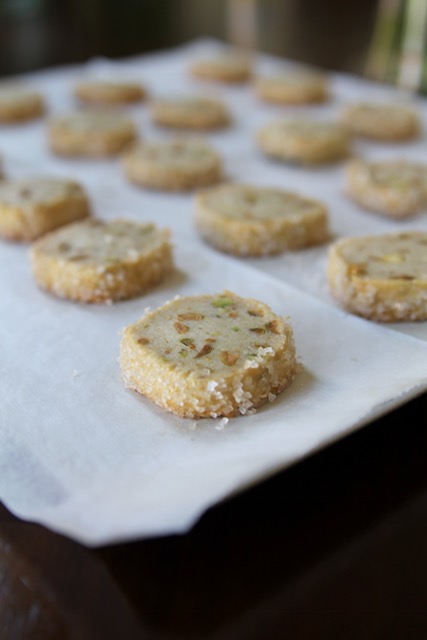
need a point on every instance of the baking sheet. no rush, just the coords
(85, 456)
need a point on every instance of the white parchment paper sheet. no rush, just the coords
(86, 457)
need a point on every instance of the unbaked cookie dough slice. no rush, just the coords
(382, 278)
(387, 122)
(19, 104)
(228, 66)
(172, 165)
(31, 207)
(304, 141)
(255, 221)
(292, 88)
(209, 356)
(90, 134)
(190, 113)
(109, 92)
(396, 188)
(95, 261)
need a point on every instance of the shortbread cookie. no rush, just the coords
(190, 113)
(397, 189)
(95, 261)
(174, 165)
(209, 356)
(256, 221)
(229, 67)
(31, 207)
(292, 88)
(304, 141)
(382, 278)
(91, 134)
(18, 104)
(106, 92)
(388, 122)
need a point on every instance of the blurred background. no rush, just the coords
(383, 39)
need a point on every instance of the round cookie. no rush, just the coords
(209, 356)
(382, 278)
(386, 122)
(90, 134)
(396, 188)
(190, 113)
(255, 221)
(31, 207)
(304, 141)
(19, 104)
(95, 261)
(173, 165)
(230, 67)
(292, 88)
(109, 92)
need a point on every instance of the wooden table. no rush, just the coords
(335, 547)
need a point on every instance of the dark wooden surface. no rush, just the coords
(335, 547)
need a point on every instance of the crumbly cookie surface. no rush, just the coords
(31, 207)
(227, 66)
(292, 88)
(395, 188)
(209, 356)
(381, 121)
(18, 103)
(91, 134)
(253, 221)
(172, 165)
(105, 92)
(382, 278)
(304, 141)
(102, 262)
(190, 113)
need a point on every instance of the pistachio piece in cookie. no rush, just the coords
(209, 356)
(382, 277)
(31, 207)
(172, 165)
(90, 134)
(304, 141)
(394, 188)
(246, 220)
(96, 261)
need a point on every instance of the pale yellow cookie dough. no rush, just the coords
(190, 113)
(90, 134)
(382, 122)
(230, 67)
(109, 92)
(396, 188)
(33, 206)
(102, 262)
(209, 356)
(254, 221)
(304, 141)
(172, 165)
(292, 88)
(19, 103)
(382, 278)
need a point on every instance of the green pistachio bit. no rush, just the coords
(235, 328)
(187, 341)
(183, 353)
(222, 302)
(250, 356)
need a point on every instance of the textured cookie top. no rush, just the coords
(243, 202)
(102, 243)
(42, 191)
(188, 107)
(174, 153)
(212, 334)
(89, 122)
(394, 174)
(108, 90)
(400, 256)
(307, 129)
